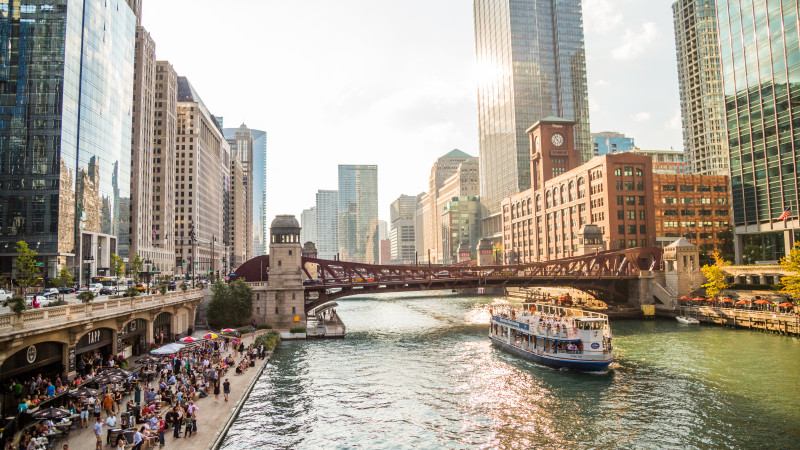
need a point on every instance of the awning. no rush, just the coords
(168, 349)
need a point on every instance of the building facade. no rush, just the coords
(612, 142)
(200, 148)
(237, 240)
(327, 210)
(700, 83)
(694, 207)
(358, 211)
(460, 224)
(664, 161)
(308, 224)
(165, 125)
(610, 191)
(66, 71)
(760, 58)
(402, 223)
(532, 64)
(454, 174)
(242, 145)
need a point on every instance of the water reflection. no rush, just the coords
(420, 372)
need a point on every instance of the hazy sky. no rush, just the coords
(391, 83)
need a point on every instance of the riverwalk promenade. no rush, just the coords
(212, 416)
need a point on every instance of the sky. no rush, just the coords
(391, 83)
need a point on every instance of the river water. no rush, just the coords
(418, 371)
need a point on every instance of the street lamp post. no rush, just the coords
(224, 266)
(192, 236)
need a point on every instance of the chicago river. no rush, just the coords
(419, 371)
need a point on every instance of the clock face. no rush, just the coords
(536, 143)
(557, 139)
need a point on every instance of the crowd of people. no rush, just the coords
(163, 393)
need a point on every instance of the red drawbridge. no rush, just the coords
(605, 275)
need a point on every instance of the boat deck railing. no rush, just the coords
(544, 308)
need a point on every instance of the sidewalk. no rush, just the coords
(211, 417)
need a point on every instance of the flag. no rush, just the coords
(785, 216)
(154, 232)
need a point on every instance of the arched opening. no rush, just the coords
(45, 358)
(133, 338)
(94, 348)
(162, 328)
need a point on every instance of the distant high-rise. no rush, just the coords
(327, 210)
(66, 90)
(166, 123)
(308, 225)
(402, 214)
(532, 63)
(760, 61)
(258, 186)
(610, 142)
(700, 81)
(358, 210)
(242, 149)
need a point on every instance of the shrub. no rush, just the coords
(184, 287)
(17, 304)
(270, 340)
(264, 327)
(86, 296)
(297, 330)
(59, 302)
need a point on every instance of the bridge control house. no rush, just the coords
(614, 192)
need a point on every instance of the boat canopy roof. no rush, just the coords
(590, 319)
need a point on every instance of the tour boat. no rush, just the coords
(554, 336)
(686, 320)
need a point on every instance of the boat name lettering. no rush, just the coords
(512, 323)
(595, 345)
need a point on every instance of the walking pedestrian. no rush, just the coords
(216, 390)
(98, 433)
(162, 427)
(138, 439)
(226, 388)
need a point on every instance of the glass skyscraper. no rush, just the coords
(358, 211)
(66, 88)
(761, 77)
(532, 64)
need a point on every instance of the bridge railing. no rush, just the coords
(42, 317)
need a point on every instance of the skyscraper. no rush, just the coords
(402, 214)
(760, 72)
(258, 173)
(700, 81)
(66, 77)
(308, 225)
(327, 210)
(532, 64)
(166, 124)
(610, 142)
(358, 210)
(242, 150)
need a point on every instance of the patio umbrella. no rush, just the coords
(84, 392)
(51, 413)
(147, 360)
(743, 302)
(118, 371)
(168, 349)
(187, 339)
(726, 300)
(229, 330)
(786, 305)
(109, 378)
(685, 297)
(712, 299)
(698, 299)
(761, 301)
(210, 336)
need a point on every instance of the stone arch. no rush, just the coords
(162, 323)
(101, 340)
(45, 356)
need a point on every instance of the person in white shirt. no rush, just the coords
(138, 439)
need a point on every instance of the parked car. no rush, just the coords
(95, 288)
(48, 293)
(43, 301)
(107, 290)
(172, 286)
(66, 290)
(5, 295)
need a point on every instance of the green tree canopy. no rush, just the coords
(27, 272)
(791, 263)
(136, 268)
(715, 275)
(231, 305)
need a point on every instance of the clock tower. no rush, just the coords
(553, 152)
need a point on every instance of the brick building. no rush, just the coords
(695, 207)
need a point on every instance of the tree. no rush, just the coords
(791, 264)
(64, 278)
(119, 267)
(86, 296)
(136, 268)
(27, 271)
(132, 291)
(715, 275)
(230, 306)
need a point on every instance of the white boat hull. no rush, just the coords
(687, 320)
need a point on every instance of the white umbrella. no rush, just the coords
(168, 349)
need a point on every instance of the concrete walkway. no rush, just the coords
(211, 417)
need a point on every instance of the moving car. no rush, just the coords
(5, 295)
(96, 288)
(48, 293)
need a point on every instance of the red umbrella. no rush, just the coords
(685, 297)
(726, 300)
(698, 299)
(761, 301)
(786, 305)
(229, 330)
(712, 299)
(743, 302)
(187, 339)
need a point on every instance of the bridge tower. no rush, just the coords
(485, 257)
(590, 240)
(682, 267)
(285, 301)
(310, 251)
(464, 252)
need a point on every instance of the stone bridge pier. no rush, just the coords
(680, 276)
